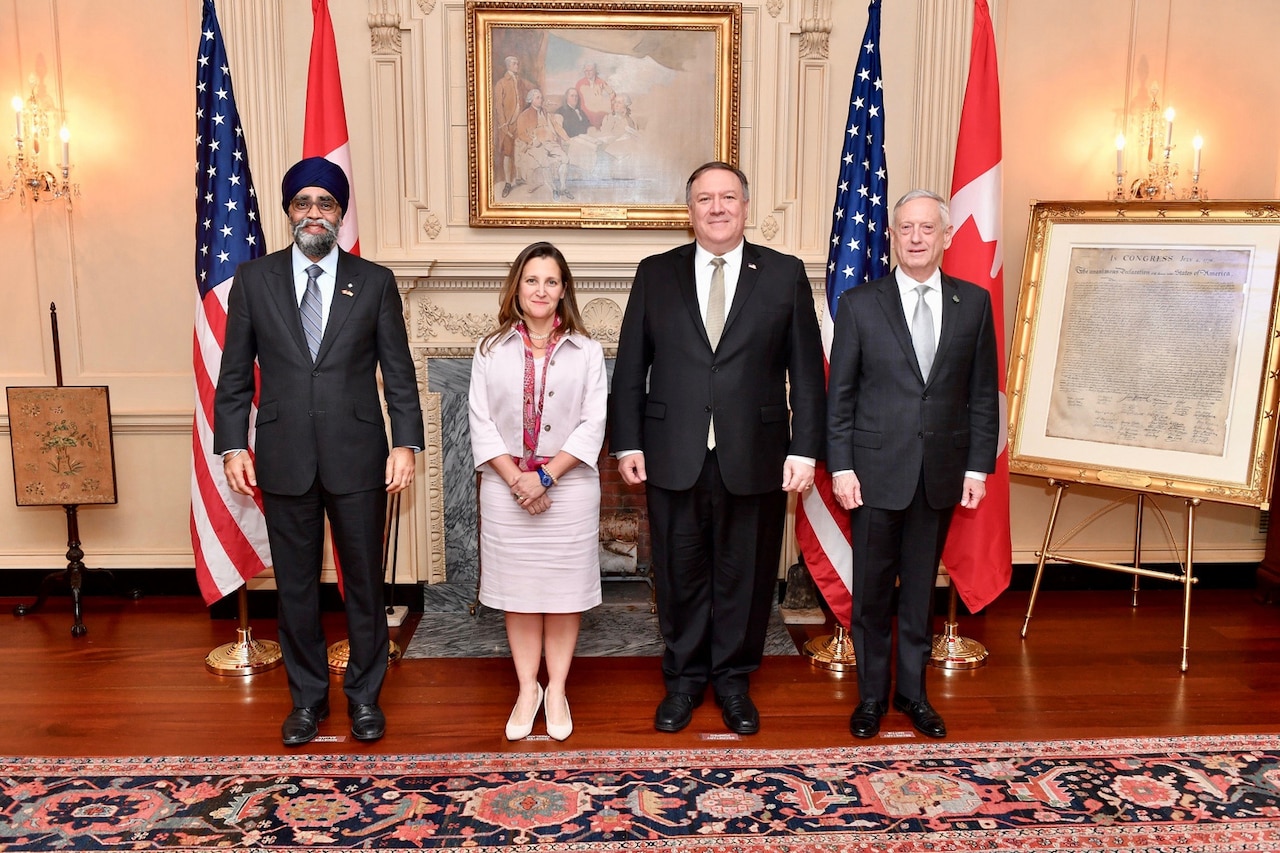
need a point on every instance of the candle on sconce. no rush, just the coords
(65, 135)
(17, 115)
(1197, 144)
(1119, 153)
(1168, 132)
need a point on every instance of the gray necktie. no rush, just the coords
(310, 308)
(922, 332)
(715, 325)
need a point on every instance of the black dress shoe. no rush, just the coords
(865, 721)
(675, 711)
(923, 717)
(303, 724)
(739, 713)
(367, 721)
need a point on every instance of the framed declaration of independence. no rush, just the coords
(593, 113)
(1146, 349)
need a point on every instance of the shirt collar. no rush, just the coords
(329, 263)
(733, 257)
(907, 284)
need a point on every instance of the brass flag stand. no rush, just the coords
(950, 650)
(834, 652)
(246, 655)
(340, 652)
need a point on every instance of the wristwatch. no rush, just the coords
(545, 479)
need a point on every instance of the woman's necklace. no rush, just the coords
(534, 337)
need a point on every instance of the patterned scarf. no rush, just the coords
(533, 408)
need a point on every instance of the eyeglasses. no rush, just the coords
(303, 203)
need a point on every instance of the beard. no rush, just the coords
(315, 245)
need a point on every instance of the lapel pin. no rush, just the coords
(752, 266)
(348, 290)
(955, 299)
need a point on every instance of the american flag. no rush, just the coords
(228, 531)
(859, 253)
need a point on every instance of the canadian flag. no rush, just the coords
(979, 554)
(324, 130)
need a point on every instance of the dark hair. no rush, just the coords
(707, 167)
(510, 311)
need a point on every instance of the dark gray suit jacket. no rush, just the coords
(325, 418)
(885, 423)
(770, 337)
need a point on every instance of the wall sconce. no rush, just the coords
(1156, 136)
(29, 172)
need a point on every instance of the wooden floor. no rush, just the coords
(1092, 666)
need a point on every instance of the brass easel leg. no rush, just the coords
(1137, 550)
(1188, 579)
(246, 655)
(950, 650)
(1043, 554)
(834, 652)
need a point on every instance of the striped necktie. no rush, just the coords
(310, 308)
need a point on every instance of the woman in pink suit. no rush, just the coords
(537, 413)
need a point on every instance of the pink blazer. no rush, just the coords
(574, 402)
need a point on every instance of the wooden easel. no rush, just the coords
(1186, 577)
(72, 576)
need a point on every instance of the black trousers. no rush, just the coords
(295, 529)
(902, 546)
(715, 564)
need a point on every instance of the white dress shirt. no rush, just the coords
(327, 280)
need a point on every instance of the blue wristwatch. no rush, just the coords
(545, 479)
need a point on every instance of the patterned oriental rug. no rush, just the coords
(1191, 795)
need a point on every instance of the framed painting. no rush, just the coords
(593, 114)
(62, 450)
(1146, 348)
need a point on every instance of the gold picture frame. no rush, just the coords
(62, 449)
(1146, 349)
(657, 91)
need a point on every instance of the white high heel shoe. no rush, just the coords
(519, 729)
(561, 731)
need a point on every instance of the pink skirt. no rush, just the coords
(547, 563)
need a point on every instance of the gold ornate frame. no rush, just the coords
(1185, 289)
(670, 60)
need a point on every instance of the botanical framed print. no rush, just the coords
(62, 450)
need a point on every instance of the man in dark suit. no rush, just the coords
(912, 422)
(699, 413)
(320, 323)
